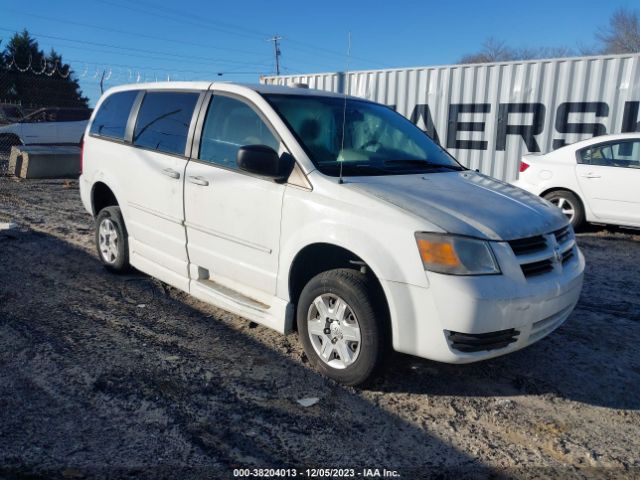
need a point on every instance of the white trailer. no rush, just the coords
(489, 115)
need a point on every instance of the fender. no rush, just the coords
(110, 181)
(392, 254)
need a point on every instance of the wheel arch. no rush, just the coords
(10, 139)
(548, 190)
(586, 210)
(102, 196)
(573, 191)
(319, 257)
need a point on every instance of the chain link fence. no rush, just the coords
(39, 107)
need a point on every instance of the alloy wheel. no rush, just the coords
(108, 241)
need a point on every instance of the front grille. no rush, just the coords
(563, 234)
(528, 245)
(480, 342)
(566, 256)
(537, 268)
(538, 255)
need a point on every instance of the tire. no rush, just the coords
(111, 240)
(570, 205)
(361, 314)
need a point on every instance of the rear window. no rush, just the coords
(163, 121)
(111, 119)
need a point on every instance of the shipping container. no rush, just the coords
(489, 115)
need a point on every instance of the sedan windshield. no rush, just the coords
(364, 138)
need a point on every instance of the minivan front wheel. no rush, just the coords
(111, 239)
(340, 326)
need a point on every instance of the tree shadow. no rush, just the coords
(101, 378)
(592, 358)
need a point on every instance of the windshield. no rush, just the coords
(377, 140)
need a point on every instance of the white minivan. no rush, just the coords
(330, 215)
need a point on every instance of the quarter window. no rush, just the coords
(229, 125)
(163, 121)
(622, 154)
(111, 119)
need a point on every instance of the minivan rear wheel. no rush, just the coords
(340, 327)
(111, 239)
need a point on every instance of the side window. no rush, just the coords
(626, 154)
(163, 121)
(623, 155)
(111, 119)
(597, 155)
(229, 125)
(51, 115)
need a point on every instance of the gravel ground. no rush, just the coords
(105, 376)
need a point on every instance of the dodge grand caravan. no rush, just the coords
(330, 215)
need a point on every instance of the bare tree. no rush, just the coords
(498, 51)
(622, 35)
(493, 50)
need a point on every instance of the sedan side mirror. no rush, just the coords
(264, 161)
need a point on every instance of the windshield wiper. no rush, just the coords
(421, 163)
(355, 168)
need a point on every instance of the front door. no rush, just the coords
(609, 176)
(42, 128)
(232, 218)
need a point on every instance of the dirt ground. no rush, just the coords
(106, 376)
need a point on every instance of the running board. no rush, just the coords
(234, 295)
(278, 315)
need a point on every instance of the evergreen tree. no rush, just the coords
(30, 77)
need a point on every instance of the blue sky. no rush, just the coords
(197, 39)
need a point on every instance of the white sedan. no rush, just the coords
(595, 180)
(47, 126)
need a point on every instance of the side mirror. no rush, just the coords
(265, 161)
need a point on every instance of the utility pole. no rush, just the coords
(276, 50)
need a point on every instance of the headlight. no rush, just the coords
(456, 255)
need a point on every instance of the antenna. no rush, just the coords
(344, 110)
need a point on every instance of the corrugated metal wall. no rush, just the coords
(612, 82)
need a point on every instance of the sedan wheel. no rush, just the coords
(566, 206)
(569, 204)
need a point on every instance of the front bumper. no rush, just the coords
(422, 318)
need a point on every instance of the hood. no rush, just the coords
(465, 203)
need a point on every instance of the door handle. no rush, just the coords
(169, 172)
(591, 175)
(199, 181)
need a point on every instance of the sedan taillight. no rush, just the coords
(523, 166)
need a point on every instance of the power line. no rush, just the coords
(150, 57)
(133, 49)
(236, 29)
(126, 32)
(229, 28)
(185, 19)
